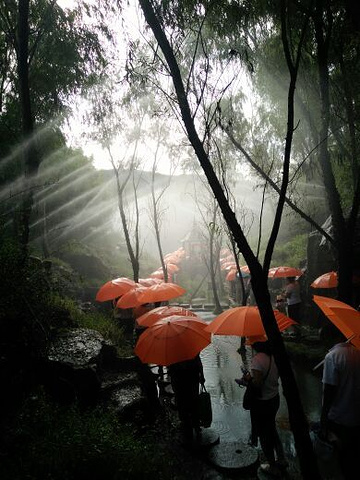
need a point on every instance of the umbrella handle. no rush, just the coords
(322, 361)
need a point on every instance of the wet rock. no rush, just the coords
(77, 348)
(128, 402)
(71, 366)
(80, 365)
(115, 380)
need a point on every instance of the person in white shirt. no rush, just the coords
(293, 298)
(265, 377)
(340, 414)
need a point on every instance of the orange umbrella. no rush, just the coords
(231, 275)
(281, 272)
(148, 282)
(157, 274)
(162, 292)
(245, 322)
(114, 288)
(158, 313)
(172, 268)
(172, 339)
(327, 280)
(132, 298)
(344, 317)
(172, 258)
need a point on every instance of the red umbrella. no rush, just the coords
(151, 317)
(327, 280)
(132, 298)
(114, 288)
(172, 339)
(281, 272)
(162, 292)
(245, 322)
(231, 275)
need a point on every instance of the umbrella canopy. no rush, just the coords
(159, 274)
(344, 317)
(245, 322)
(148, 282)
(171, 340)
(281, 272)
(158, 313)
(162, 292)
(231, 275)
(245, 269)
(228, 266)
(172, 268)
(132, 298)
(114, 288)
(327, 280)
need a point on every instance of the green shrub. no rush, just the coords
(292, 253)
(102, 322)
(50, 441)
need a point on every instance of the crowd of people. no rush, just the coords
(340, 410)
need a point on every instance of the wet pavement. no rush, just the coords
(222, 364)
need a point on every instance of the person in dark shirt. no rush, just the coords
(186, 378)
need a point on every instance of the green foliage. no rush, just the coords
(66, 443)
(292, 253)
(344, 182)
(103, 322)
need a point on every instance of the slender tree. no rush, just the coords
(258, 273)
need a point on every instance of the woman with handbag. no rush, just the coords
(265, 402)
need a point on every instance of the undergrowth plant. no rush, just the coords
(50, 441)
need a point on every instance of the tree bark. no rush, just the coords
(296, 414)
(343, 242)
(30, 154)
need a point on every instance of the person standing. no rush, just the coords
(293, 298)
(264, 377)
(186, 378)
(340, 413)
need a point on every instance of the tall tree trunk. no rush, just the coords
(212, 260)
(134, 260)
(156, 222)
(30, 153)
(341, 235)
(296, 414)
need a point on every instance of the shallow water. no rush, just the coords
(222, 364)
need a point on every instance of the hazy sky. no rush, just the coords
(76, 127)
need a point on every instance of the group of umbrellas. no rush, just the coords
(173, 334)
(130, 294)
(327, 280)
(275, 272)
(172, 261)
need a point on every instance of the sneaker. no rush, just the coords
(272, 470)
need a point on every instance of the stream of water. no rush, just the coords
(222, 364)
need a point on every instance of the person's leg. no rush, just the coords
(268, 434)
(348, 448)
(254, 436)
(279, 450)
(267, 440)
